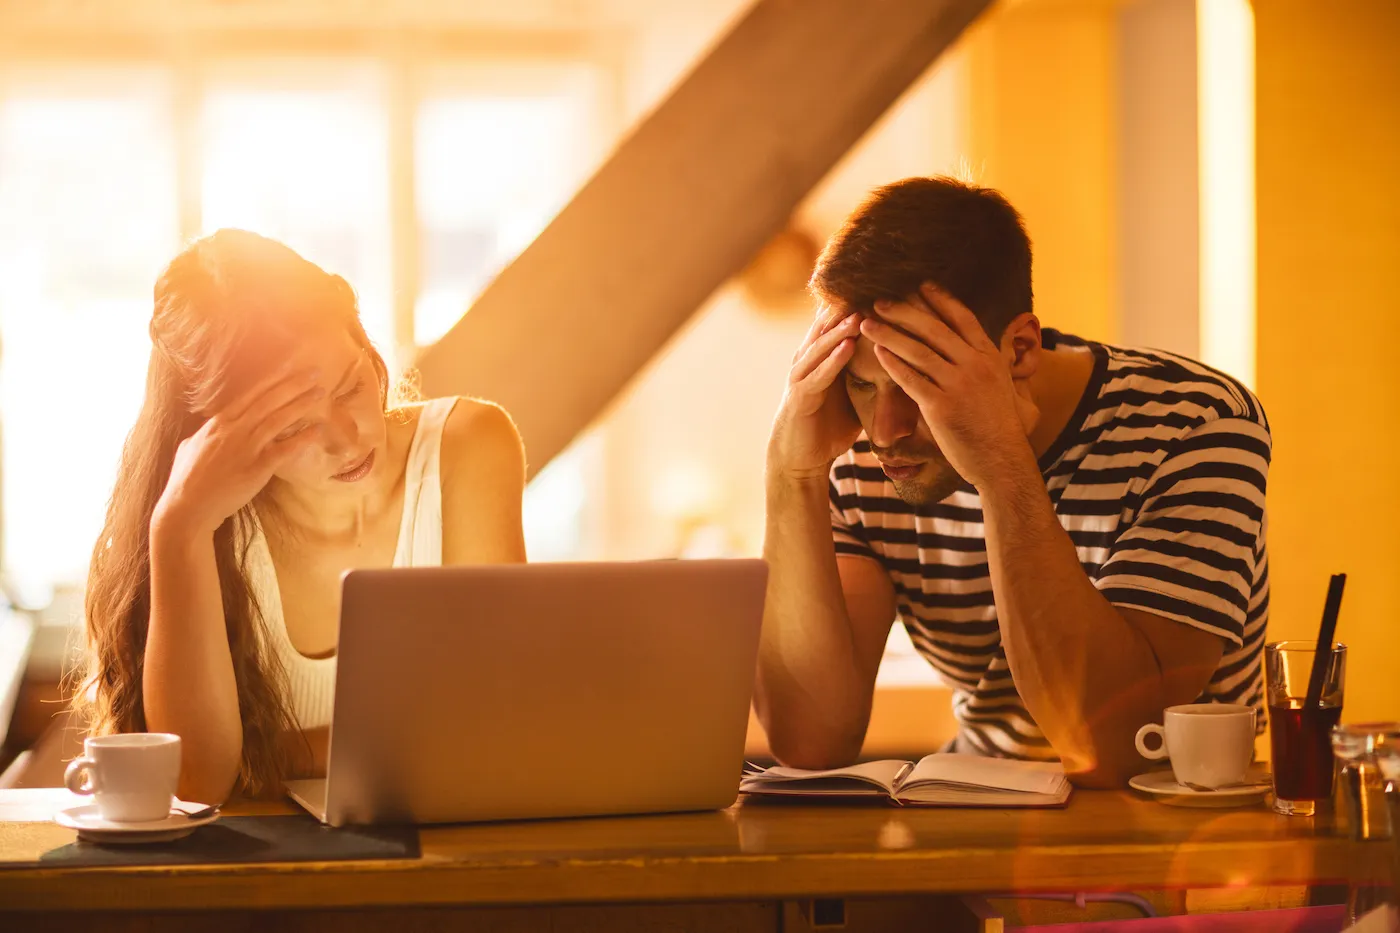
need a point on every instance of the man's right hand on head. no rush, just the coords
(815, 423)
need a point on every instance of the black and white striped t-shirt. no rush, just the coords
(1159, 479)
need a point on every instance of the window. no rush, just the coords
(301, 155)
(498, 151)
(91, 210)
(87, 220)
(497, 155)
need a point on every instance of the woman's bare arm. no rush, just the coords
(187, 681)
(188, 685)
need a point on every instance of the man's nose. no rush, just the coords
(896, 417)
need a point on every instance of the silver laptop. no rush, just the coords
(539, 690)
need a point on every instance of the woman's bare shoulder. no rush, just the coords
(483, 479)
(480, 440)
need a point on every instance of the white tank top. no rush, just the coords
(312, 680)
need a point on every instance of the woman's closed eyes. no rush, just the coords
(293, 430)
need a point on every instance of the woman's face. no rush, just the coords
(349, 419)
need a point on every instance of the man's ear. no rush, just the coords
(1020, 346)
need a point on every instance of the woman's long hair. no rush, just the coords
(211, 303)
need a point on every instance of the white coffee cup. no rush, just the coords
(1210, 744)
(131, 777)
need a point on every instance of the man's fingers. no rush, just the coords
(924, 325)
(825, 318)
(914, 383)
(956, 315)
(914, 352)
(828, 316)
(820, 348)
(824, 374)
(807, 339)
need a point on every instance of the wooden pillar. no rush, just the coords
(683, 203)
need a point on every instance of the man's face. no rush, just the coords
(897, 432)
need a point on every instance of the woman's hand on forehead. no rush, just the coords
(326, 363)
(288, 371)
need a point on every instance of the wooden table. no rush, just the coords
(756, 851)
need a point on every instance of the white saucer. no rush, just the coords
(92, 827)
(1163, 786)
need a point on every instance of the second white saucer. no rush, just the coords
(1163, 786)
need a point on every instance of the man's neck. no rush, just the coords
(1057, 388)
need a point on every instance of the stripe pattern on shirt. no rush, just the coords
(1159, 479)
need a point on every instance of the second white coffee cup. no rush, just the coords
(131, 777)
(1210, 744)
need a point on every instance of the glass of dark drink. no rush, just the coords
(1302, 737)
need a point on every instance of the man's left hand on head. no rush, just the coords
(936, 351)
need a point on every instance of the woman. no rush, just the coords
(267, 459)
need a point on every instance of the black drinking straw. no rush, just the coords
(1322, 658)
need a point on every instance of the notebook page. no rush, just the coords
(960, 795)
(881, 774)
(952, 769)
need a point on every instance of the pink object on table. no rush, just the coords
(1329, 919)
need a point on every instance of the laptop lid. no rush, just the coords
(542, 690)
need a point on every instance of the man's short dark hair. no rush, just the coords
(966, 239)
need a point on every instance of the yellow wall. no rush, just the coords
(1328, 121)
(1042, 131)
(1043, 98)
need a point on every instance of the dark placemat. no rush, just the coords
(241, 839)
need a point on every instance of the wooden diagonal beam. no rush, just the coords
(684, 202)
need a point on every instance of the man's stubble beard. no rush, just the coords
(943, 482)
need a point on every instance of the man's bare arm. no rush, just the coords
(825, 623)
(825, 620)
(1089, 673)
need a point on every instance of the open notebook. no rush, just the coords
(941, 780)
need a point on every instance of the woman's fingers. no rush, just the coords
(274, 396)
(275, 425)
(248, 399)
(280, 451)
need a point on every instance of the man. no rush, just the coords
(1072, 533)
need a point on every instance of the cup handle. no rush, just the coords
(1143, 750)
(81, 776)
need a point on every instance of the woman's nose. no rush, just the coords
(340, 434)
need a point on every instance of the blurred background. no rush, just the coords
(1212, 177)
